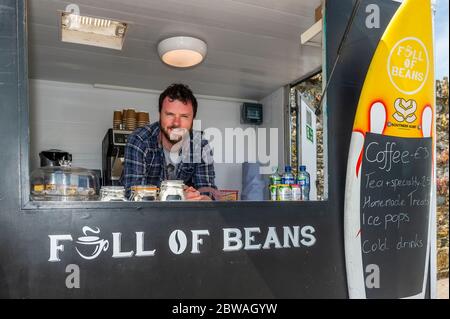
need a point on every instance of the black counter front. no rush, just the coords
(219, 251)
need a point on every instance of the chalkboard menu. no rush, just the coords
(395, 206)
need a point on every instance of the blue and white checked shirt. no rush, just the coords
(145, 162)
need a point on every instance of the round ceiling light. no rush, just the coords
(182, 52)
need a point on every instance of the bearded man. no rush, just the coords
(170, 150)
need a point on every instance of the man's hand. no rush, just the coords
(191, 194)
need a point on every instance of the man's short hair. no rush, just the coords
(180, 92)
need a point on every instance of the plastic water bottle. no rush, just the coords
(275, 178)
(274, 182)
(303, 179)
(287, 178)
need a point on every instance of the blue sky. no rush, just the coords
(441, 38)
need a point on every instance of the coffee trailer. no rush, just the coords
(217, 249)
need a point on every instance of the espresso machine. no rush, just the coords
(113, 153)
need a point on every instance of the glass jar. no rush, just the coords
(143, 193)
(172, 190)
(64, 183)
(112, 194)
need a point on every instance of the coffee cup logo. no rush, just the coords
(91, 246)
(405, 110)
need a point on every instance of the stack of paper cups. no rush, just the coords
(143, 118)
(130, 119)
(117, 120)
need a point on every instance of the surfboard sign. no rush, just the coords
(389, 181)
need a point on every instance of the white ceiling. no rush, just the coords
(253, 45)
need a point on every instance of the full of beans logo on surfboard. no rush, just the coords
(395, 117)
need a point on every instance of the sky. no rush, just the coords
(441, 38)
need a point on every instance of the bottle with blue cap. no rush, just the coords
(288, 177)
(303, 179)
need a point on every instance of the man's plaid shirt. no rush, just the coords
(145, 162)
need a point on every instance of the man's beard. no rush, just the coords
(167, 134)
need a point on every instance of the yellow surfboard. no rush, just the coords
(397, 98)
(396, 110)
